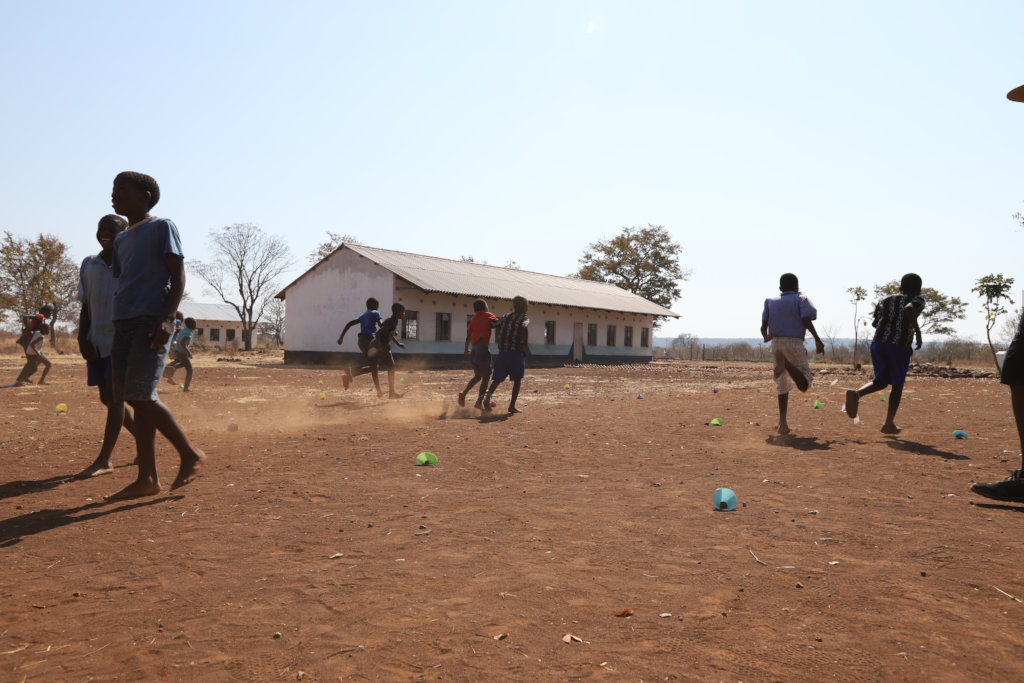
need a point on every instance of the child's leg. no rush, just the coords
(116, 417)
(894, 404)
(1017, 402)
(46, 368)
(783, 410)
(146, 483)
(28, 370)
(187, 364)
(157, 414)
(515, 394)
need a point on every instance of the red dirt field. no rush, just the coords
(313, 548)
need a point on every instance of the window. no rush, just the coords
(215, 334)
(443, 331)
(229, 335)
(627, 335)
(199, 332)
(645, 337)
(549, 332)
(611, 336)
(592, 334)
(410, 325)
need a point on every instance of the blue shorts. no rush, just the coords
(135, 368)
(480, 359)
(98, 372)
(890, 362)
(510, 364)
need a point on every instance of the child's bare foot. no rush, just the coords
(136, 489)
(462, 400)
(346, 379)
(888, 428)
(189, 470)
(513, 410)
(95, 470)
(783, 428)
(41, 383)
(798, 377)
(168, 379)
(395, 395)
(852, 402)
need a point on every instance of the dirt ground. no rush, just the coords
(313, 547)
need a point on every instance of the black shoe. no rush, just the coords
(1011, 488)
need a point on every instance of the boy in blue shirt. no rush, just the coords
(895, 323)
(150, 270)
(368, 323)
(784, 321)
(181, 354)
(96, 285)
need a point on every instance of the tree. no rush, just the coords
(684, 341)
(327, 248)
(512, 265)
(37, 272)
(939, 310)
(250, 261)
(272, 323)
(1010, 327)
(857, 295)
(644, 261)
(993, 290)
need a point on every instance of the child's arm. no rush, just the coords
(910, 313)
(348, 325)
(394, 338)
(917, 335)
(465, 351)
(163, 328)
(87, 350)
(185, 343)
(819, 346)
(764, 332)
(525, 348)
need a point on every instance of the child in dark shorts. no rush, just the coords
(513, 344)
(478, 338)
(380, 351)
(368, 322)
(895, 323)
(96, 336)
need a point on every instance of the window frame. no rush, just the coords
(411, 321)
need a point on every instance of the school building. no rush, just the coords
(571, 320)
(216, 324)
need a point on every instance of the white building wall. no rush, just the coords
(319, 305)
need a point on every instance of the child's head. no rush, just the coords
(372, 304)
(520, 304)
(190, 323)
(911, 284)
(178, 315)
(146, 188)
(44, 329)
(789, 283)
(479, 305)
(108, 228)
(397, 310)
(46, 310)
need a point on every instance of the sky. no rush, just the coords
(848, 143)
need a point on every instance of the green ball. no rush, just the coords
(426, 458)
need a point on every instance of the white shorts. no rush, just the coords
(791, 349)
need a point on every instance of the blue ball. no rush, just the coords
(724, 500)
(959, 434)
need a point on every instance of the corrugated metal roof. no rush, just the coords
(225, 312)
(433, 274)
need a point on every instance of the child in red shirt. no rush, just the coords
(478, 338)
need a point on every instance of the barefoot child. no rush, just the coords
(513, 343)
(96, 335)
(380, 352)
(784, 321)
(149, 267)
(368, 323)
(478, 334)
(895, 323)
(34, 357)
(181, 353)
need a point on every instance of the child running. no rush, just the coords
(34, 357)
(513, 344)
(380, 352)
(784, 321)
(96, 336)
(150, 270)
(478, 336)
(368, 323)
(895, 323)
(181, 353)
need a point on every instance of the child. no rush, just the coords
(368, 323)
(478, 333)
(96, 335)
(181, 354)
(784, 321)
(34, 356)
(380, 352)
(149, 266)
(895, 323)
(513, 344)
(30, 323)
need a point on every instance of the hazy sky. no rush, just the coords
(846, 142)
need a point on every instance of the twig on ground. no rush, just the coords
(755, 557)
(1006, 594)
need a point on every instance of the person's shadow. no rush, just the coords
(16, 528)
(13, 489)
(800, 443)
(923, 449)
